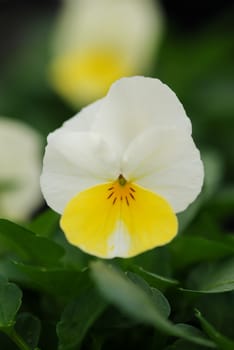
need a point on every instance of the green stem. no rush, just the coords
(17, 339)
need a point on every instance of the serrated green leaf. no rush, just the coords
(77, 318)
(28, 246)
(28, 327)
(10, 301)
(223, 342)
(135, 302)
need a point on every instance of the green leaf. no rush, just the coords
(217, 309)
(28, 246)
(63, 282)
(155, 280)
(156, 261)
(77, 318)
(212, 278)
(73, 256)
(29, 328)
(10, 301)
(157, 297)
(45, 223)
(182, 344)
(223, 342)
(187, 250)
(135, 302)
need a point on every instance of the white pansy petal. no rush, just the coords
(97, 42)
(80, 122)
(135, 104)
(20, 167)
(167, 162)
(126, 24)
(83, 120)
(74, 162)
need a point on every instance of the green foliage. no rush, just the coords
(29, 328)
(203, 249)
(213, 277)
(45, 223)
(51, 280)
(77, 318)
(154, 279)
(139, 303)
(10, 301)
(28, 246)
(223, 342)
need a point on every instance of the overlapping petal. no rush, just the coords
(166, 161)
(134, 105)
(83, 120)
(73, 162)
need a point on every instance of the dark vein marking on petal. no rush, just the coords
(110, 195)
(132, 196)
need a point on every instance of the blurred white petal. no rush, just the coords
(20, 164)
(98, 42)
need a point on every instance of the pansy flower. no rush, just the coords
(121, 169)
(98, 42)
(20, 168)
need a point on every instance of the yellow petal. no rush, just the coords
(118, 219)
(87, 76)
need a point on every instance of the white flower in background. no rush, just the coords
(121, 168)
(20, 168)
(98, 42)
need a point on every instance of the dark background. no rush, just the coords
(184, 16)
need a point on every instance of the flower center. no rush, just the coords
(121, 190)
(122, 180)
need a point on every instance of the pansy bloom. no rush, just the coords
(98, 42)
(121, 168)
